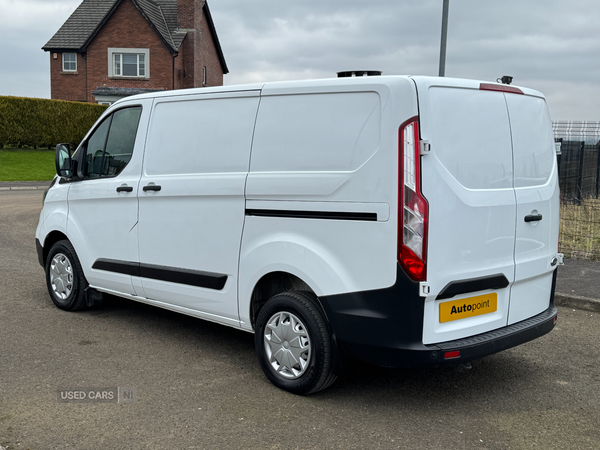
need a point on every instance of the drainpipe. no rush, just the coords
(84, 56)
(175, 55)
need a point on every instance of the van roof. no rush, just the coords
(324, 83)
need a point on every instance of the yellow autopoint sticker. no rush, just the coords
(468, 307)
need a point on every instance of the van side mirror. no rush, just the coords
(63, 160)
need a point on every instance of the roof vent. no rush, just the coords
(359, 73)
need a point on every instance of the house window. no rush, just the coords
(69, 61)
(129, 62)
(130, 65)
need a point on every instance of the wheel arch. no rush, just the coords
(289, 261)
(274, 283)
(52, 238)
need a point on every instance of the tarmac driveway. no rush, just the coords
(189, 384)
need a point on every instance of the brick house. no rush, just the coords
(108, 49)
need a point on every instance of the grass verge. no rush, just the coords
(580, 229)
(26, 165)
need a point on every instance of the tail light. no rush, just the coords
(412, 208)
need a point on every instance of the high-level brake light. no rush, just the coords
(412, 228)
(500, 88)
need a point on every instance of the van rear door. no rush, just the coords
(467, 179)
(490, 166)
(537, 195)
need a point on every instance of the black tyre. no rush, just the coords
(64, 277)
(294, 343)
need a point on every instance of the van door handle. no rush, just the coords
(533, 218)
(124, 189)
(151, 187)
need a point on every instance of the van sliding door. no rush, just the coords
(191, 201)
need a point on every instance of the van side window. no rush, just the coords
(109, 148)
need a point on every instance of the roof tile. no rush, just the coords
(80, 26)
(89, 15)
(79, 29)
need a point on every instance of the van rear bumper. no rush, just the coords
(385, 327)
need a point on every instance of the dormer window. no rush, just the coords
(128, 63)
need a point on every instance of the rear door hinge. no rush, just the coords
(424, 289)
(558, 260)
(424, 147)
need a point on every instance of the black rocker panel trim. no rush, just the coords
(326, 215)
(473, 285)
(189, 277)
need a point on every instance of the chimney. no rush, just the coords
(189, 19)
(186, 13)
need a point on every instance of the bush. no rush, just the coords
(38, 122)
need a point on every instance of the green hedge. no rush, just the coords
(38, 122)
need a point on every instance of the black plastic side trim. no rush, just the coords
(189, 277)
(326, 215)
(40, 253)
(184, 276)
(377, 326)
(111, 265)
(473, 285)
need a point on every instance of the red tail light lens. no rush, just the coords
(412, 208)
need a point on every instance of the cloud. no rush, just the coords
(551, 46)
(26, 25)
(323, 37)
(35, 16)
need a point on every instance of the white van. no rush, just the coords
(404, 221)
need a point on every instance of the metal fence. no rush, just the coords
(579, 171)
(579, 179)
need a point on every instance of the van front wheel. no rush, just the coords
(64, 277)
(294, 343)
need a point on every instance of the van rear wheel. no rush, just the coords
(294, 343)
(64, 277)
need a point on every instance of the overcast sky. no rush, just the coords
(549, 45)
